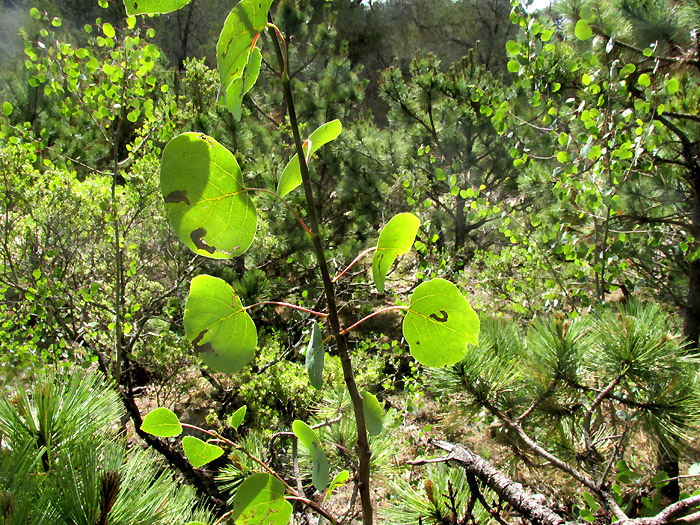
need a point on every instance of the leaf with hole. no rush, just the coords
(218, 326)
(395, 239)
(260, 500)
(236, 52)
(198, 452)
(373, 413)
(208, 205)
(153, 7)
(161, 422)
(439, 324)
(320, 474)
(315, 354)
(291, 176)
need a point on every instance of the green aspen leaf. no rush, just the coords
(672, 86)
(153, 7)
(644, 80)
(373, 413)
(161, 422)
(315, 354)
(439, 324)
(582, 30)
(235, 49)
(320, 475)
(513, 66)
(7, 108)
(198, 452)
(512, 47)
(108, 30)
(241, 85)
(34, 13)
(291, 176)
(340, 479)
(259, 500)
(218, 327)
(208, 206)
(237, 417)
(395, 239)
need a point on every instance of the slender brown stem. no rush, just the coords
(362, 447)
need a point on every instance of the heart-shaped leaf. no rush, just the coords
(439, 324)
(315, 355)
(373, 413)
(235, 50)
(198, 452)
(208, 206)
(217, 325)
(153, 7)
(161, 422)
(396, 238)
(341, 478)
(582, 30)
(236, 418)
(260, 500)
(241, 85)
(320, 475)
(291, 176)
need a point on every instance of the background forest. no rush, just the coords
(542, 165)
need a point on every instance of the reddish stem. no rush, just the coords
(380, 311)
(289, 206)
(289, 305)
(354, 261)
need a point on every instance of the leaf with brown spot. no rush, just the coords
(440, 324)
(208, 205)
(218, 326)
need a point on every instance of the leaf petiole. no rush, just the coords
(289, 206)
(368, 250)
(380, 311)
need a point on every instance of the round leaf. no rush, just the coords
(315, 355)
(218, 326)
(161, 422)
(395, 239)
(291, 176)
(208, 206)
(198, 452)
(672, 86)
(582, 30)
(260, 500)
(439, 324)
(320, 475)
(7, 108)
(373, 413)
(152, 7)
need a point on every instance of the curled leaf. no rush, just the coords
(291, 176)
(395, 239)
